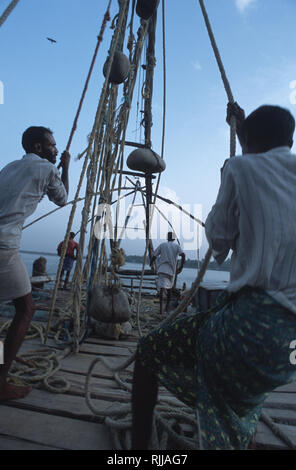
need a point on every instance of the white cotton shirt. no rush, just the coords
(23, 183)
(255, 216)
(167, 254)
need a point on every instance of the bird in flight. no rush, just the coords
(51, 40)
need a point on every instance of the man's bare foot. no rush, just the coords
(13, 392)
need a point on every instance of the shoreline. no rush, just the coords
(135, 259)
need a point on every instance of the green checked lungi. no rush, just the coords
(225, 362)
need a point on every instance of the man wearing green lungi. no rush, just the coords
(225, 362)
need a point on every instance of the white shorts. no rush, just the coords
(14, 278)
(165, 281)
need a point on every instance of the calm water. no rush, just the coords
(187, 275)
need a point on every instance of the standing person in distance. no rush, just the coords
(166, 257)
(71, 256)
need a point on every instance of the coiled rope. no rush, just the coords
(37, 367)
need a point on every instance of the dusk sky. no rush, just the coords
(42, 85)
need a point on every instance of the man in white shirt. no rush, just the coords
(255, 217)
(225, 362)
(23, 183)
(166, 255)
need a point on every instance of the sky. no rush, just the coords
(41, 84)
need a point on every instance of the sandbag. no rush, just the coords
(109, 304)
(119, 69)
(111, 330)
(107, 330)
(146, 8)
(145, 160)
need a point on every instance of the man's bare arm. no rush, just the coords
(182, 262)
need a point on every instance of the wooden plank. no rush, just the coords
(123, 342)
(281, 400)
(11, 443)
(81, 362)
(90, 348)
(107, 388)
(101, 388)
(68, 406)
(283, 416)
(289, 388)
(264, 436)
(53, 431)
(103, 350)
(266, 439)
(77, 381)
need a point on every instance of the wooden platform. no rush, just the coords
(44, 420)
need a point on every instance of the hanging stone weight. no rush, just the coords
(146, 8)
(145, 160)
(109, 304)
(119, 69)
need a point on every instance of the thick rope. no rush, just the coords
(64, 246)
(164, 79)
(37, 367)
(91, 177)
(119, 420)
(159, 176)
(188, 298)
(98, 115)
(42, 366)
(74, 201)
(223, 76)
(99, 40)
(89, 190)
(7, 12)
(125, 109)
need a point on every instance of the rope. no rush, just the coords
(64, 246)
(162, 156)
(37, 367)
(7, 12)
(89, 190)
(168, 201)
(92, 136)
(42, 365)
(189, 296)
(100, 38)
(91, 176)
(164, 79)
(122, 120)
(165, 417)
(35, 330)
(74, 201)
(223, 76)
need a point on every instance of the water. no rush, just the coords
(188, 275)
